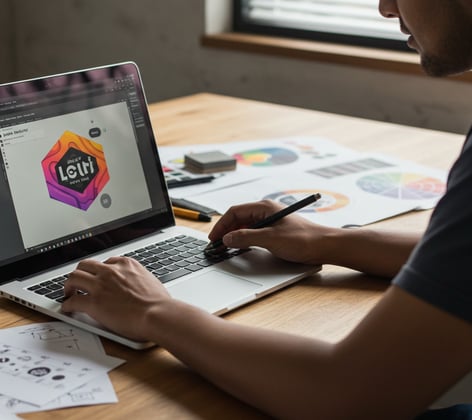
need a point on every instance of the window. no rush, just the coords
(355, 22)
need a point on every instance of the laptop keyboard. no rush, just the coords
(168, 260)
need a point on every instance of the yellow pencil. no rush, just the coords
(191, 214)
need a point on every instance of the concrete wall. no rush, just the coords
(53, 36)
(163, 37)
(7, 64)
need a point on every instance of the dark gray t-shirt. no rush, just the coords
(439, 270)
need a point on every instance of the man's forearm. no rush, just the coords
(375, 252)
(270, 370)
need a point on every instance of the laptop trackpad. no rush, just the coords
(213, 290)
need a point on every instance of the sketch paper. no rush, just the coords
(98, 391)
(42, 362)
(6, 415)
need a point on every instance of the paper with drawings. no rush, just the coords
(52, 365)
(354, 192)
(6, 415)
(98, 391)
(414, 182)
(257, 158)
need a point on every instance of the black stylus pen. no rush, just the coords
(213, 246)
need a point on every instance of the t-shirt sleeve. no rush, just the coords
(439, 270)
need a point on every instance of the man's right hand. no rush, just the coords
(292, 238)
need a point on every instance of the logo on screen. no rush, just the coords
(75, 170)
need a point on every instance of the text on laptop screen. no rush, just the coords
(78, 160)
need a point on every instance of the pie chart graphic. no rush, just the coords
(266, 157)
(402, 186)
(329, 200)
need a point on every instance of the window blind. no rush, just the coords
(347, 17)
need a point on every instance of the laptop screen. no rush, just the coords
(80, 169)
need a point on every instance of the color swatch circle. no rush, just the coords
(403, 186)
(329, 200)
(266, 157)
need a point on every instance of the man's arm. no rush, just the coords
(376, 252)
(297, 239)
(400, 358)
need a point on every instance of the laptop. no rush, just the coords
(81, 178)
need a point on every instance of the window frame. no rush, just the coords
(241, 24)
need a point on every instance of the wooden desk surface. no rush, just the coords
(152, 384)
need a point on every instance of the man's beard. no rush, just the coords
(445, 66)
(438, 67)
(455, 56)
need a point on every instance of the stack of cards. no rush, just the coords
(209, 162)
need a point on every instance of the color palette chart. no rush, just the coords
(266, 157)
(403, 186)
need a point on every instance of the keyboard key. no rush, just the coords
(193, 267)
(205, 263)
(160, 272)
(42, 291)
(187, 240)
(194, 251)
(55, 295)
(155, 266)
(172, 252)
(46, 283)
(165, 247)
(181, 263)
(167, 261)
(174, 275)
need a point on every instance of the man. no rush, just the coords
(413, 346)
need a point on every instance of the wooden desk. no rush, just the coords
(152, 384)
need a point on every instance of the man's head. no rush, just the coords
(441, 32)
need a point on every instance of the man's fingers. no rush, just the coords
(226, 223)
(241, 216)
(89, 266)
(79, 280)
(77, 303)
(115, 260)
(244, 238)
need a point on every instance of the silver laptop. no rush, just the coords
(81, 178)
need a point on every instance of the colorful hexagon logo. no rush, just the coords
(75, 170)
